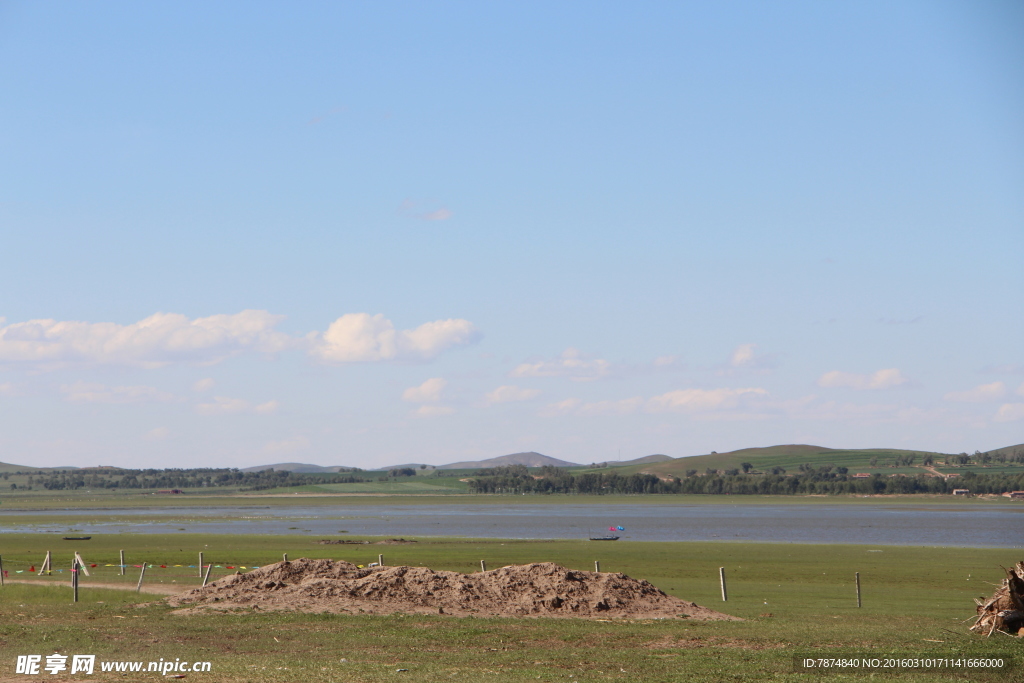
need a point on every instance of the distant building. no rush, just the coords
(862, 475)
(1015, 494)
(171, 491)
(961, 492)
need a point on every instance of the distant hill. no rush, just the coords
(647, 459)
(530, 459)
(1008, 450)
(301, 468)
(788, 456)
(8, 467)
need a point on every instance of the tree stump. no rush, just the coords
(1004, 611)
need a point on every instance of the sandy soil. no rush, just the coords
(535, 590)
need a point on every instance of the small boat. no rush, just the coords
(77, 538)
(604, 538)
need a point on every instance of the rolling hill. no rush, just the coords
(647, 459)
(1008, 450)
(789, 457)
(298, 467)
(9, 467)
(530, 459)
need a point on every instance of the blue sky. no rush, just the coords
(377, 233)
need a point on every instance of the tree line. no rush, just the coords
(71, 480)
(517, 479)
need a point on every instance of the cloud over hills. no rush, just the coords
(880, 379)
(572, 363)
(360, 337)
(166, 338)
(156, 341)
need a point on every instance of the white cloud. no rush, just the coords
(296, 443)
(8, 389)
(561, 407)
(266, 408)
(223, 405)
(701, 399)
(1009, 412)
(85, 392)
(428, 392)
(416, 209)
(1020, 390)
(361, 337)
(662, 361)
(625, 406)
(881, 379)
(979, 394)
(683, 400)
(441, 214)
(509, 393)
(572, 364)
(745, 357)
(165, 338)
(433, 411)
(203, 385)
(158, 434)
(156, 341)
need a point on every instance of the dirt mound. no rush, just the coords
(544, 589)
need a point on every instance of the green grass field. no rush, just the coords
(791, 457)
(421, 485)
(795, 599)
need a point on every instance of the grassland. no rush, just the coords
(795, 599)
(881, 460)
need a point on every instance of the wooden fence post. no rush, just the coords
(74, 577)
(380, 560)
(483, 565)
(81, 563)
(207, 576)
(122, 563)
(857, 576)
(200, 564)
(141, 576)
(285, 558)
(721, 579)
(597, 566)
(46, 564)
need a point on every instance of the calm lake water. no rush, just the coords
(871, 524)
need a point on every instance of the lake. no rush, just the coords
(980, 525)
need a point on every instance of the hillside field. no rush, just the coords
(793, 456)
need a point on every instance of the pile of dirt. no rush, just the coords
(343, 541)
(539, 590)
(1004, 611)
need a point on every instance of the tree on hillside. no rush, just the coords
(402, 472)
